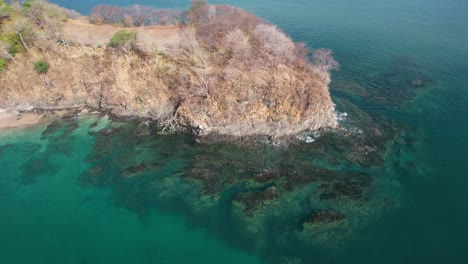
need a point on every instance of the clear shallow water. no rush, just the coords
(55, 212)
(52, 218)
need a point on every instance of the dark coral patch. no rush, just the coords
(324, 217)
(251, 200)
(352, 186)
(134, 170)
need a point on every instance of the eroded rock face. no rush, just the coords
(277, 109)
(208, 93)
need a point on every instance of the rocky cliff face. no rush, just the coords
(232, 74)
(86, 76)
(254, 102)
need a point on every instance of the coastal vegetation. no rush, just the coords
(41, 67)
(123, 38)
(217, 69)
(135, 16)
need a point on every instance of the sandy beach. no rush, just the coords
(12, 118)
(16, 119)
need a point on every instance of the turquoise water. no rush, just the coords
(71, 192)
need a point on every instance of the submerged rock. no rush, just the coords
(249, 201)
(347, 187)
(325, 228)
(257, 190)
(134, 170)
(324, 218)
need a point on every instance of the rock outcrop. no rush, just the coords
(250, 79)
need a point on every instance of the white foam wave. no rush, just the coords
(309, 137)
(340, 116)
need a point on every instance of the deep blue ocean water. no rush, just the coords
(403, 60)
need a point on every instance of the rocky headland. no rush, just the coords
(219, 70)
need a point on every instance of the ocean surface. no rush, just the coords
(393, 189)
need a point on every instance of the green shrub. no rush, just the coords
(165, 55)
(27, 6)
(5, 9)
(2, 65)
(123, 38)
(55, 12)
(41, 67)
(14, 43)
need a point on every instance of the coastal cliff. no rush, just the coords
(224, 72)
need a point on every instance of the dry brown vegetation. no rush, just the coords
(153, 37)
(226, 72)
(134, 16)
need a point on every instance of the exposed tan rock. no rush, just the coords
(211, 91)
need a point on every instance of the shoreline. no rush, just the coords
(23, 117)
(11, 119)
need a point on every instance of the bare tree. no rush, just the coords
(237, 45)
(188, 43)
(17, 3)
(4, 52)
(273, 44)
(302, 55)
(198, 11)
(96, 18)
(35, 12)
(48, 82)
(197, 4)
(324, 60)
(223, 19)
(106, 14)
(127, 21)
(169, 124)
(166, 17)
(140, 14)
(72, 14)
(203, 89)
(20, 27)
(53, 29)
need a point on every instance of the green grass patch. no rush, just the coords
(2, 65)
(41, 67)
